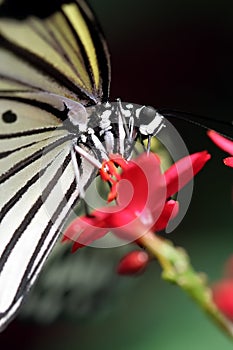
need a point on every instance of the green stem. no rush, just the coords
(177, 269)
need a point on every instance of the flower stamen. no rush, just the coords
(109, 173)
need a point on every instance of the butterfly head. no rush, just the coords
(150, 121)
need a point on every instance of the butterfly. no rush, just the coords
(55, 122)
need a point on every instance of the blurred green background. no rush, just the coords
(164, 53)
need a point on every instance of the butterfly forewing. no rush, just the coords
(63, 52)
(43, 54)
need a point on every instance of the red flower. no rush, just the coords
(223, 143)
(143, 200)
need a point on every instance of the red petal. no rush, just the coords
(85, 230)
(133, 263)
(180, 173)
(146, 184)
(119, 160)
(126, 225)
(223, 297)
(228, 161)
(169, 212)
(90, 235)
(77, 246)
(133, 188)
(221, 141)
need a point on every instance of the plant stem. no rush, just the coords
(178, 270)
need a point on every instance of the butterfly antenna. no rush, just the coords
(223, 127)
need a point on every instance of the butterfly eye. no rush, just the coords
(147, 114)
(9, 117)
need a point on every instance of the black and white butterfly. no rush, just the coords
(54, 67)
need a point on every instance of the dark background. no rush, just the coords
(174, 54)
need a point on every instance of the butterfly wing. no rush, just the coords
(59, 51)
(56, 47)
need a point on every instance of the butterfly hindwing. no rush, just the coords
(38, 189)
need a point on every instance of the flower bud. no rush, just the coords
(223, 297)
(133, 263)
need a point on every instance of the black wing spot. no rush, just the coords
(9, 117)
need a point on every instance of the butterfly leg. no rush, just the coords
(76, 149)
(148, 144)
(87, 156)
(77, 173)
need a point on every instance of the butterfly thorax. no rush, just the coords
(114, 127)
